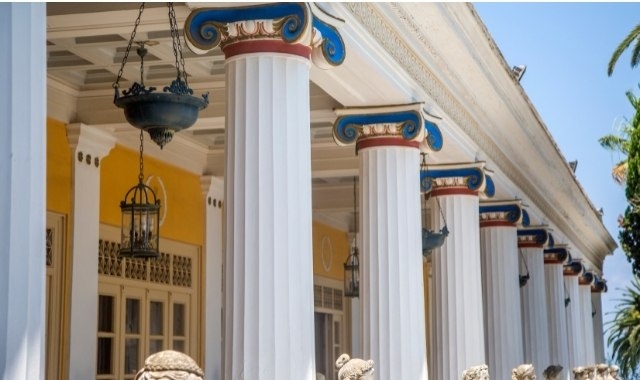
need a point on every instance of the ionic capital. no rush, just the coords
(532, 237)
(500, 213)
(556, 255)
(599, 285)
(573, 268)
(586, 278)
(279, 27)
(448, 179)
(399, 125)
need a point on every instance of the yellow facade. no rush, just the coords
(331, 248)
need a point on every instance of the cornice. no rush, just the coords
(369, 16)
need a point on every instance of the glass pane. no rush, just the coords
(155, 345)
(131, 354)
(133, 316)
(105, 313)
(178, 319)
(104, 356)
(156, 318)
(178, 345)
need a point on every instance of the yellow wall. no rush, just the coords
(184, 203)
(336, 249)
(58, 168)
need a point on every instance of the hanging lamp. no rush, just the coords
(140, 228)
(352, 265)
(161, 114)
(431, 239)
(523, 278)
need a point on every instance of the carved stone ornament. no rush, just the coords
(602, 372)
(479, 372)
(613, 372)
(170, 365)
(354, 369)
(582, 373)
(523, 372)
(552, 372)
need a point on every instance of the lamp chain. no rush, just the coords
(177, 48)
(126, 53)
(141, 175)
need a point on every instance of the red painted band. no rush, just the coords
(372, 142)
(529, 245)
(265, 46)
(496, 223)
(453, 191)
(553, 261)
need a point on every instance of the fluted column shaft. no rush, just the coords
(22, 190)
(457, 320)
(535, 325)
(558, 346)
(269, 282)
(392, 292)
(501, 293)
(587, 323)
(574, 322)
(598, 328)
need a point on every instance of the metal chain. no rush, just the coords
(126, 53)
(141, 175)
(177, 48)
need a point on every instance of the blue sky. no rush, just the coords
(566, 48)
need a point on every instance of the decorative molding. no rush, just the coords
(500, 213)
(586, 278)
(599, 285)
(89, 143)
(369, 17)
(490, 187)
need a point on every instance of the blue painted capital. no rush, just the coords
(292, 23)
(490, 187)
(599, 285)
(500, 213)
(586, 278)
(573, 268)
(358, 123)
(526, 221)
(467, 177)
(534, 237)
(556, 255)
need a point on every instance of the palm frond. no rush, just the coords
(620, 171)
(622, 47)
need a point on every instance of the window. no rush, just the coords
(145, 307)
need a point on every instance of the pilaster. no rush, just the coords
(571, 271)
(22, 190)
(554, 258)
(500, 289)
(535, 327)
(89, 145)
(457, 314)
(213, 191)
(269, 331)
(392, 286)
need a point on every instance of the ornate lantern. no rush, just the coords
(352, 265)
(140, 230)
(161, 114)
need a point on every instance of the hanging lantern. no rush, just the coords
(161, 114)
(140, 229)
(352, 265)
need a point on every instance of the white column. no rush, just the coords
(89, 145)
(584, 286)
(535, 325)
(554, 258)
(356, 327)
(269, 324)
(22, 190)
(213, 189)
(392, 290)
(500, 288)
(458, 322)
(598, 331)
(574, 321)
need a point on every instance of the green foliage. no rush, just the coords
(634, 35)
(624, 332)
(630, 238)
